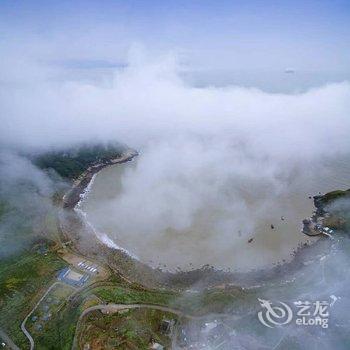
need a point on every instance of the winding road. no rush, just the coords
(23, 325)
(113, 308)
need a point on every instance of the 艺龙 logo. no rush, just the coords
(307, 313)
(272, 316)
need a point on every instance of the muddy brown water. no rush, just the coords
(238, 237)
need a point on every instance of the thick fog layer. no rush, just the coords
(186, 203)
(149, 100)
(26, 209)
(323, 278)
(211, 159)
(219, 167)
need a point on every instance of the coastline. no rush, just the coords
(73, 197)
(81, 188)
(130, 268)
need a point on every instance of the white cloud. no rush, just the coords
(229, 151)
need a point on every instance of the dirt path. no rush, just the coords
(113, 308)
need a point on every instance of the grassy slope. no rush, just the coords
(193, 303)
(60, 333)
(337, 204)
(60, 329)
(21, 278)
(72, 162)
(124, 295)
(132, 329)
(329, 197)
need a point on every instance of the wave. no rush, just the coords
(101, 236)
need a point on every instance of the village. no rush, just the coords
(315, 225)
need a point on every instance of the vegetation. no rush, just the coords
(339, 217)
(205, 302)
(59, 330)
(22, 277)
(329, 197)
(39, 322)
(214, 301)
(131, 329)
(123, 295)
(26, 276)
(73, 162)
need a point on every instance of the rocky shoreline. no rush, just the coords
(72, 198)
(83, 239)
(324, 221)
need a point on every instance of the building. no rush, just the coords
(73, 278)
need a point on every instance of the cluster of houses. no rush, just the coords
(323, 229)
(314, 226)
(85, 266)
